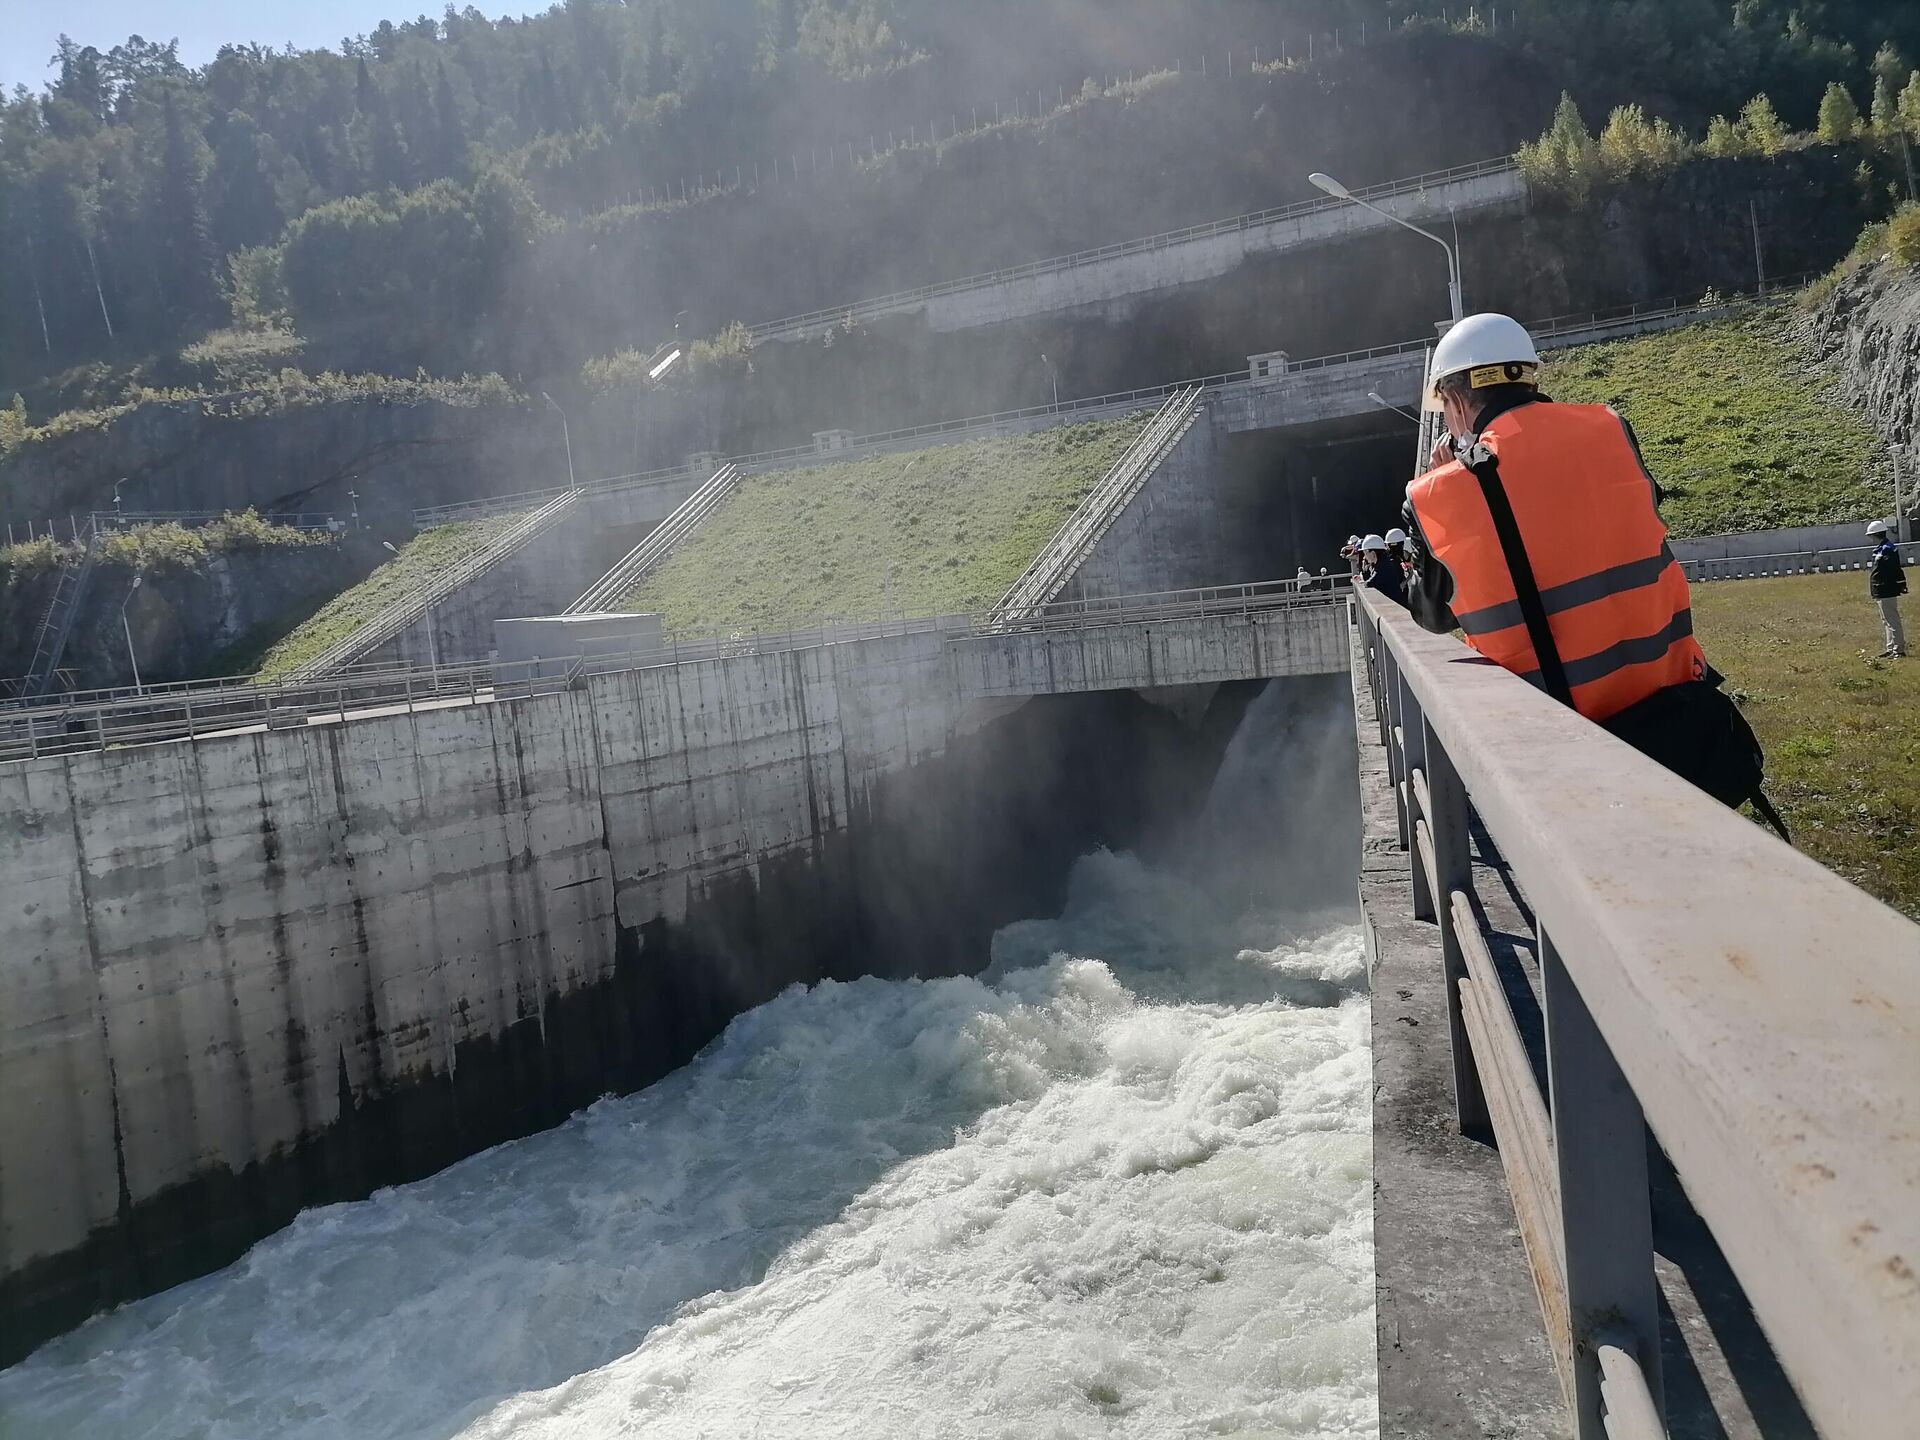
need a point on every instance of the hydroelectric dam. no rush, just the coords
(1130, 1011)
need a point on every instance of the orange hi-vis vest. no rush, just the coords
(1617, 601)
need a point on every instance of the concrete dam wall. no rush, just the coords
(269, 970)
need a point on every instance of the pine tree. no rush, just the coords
(183, 243)
(450, 137)
(1761, 128)
(1839, 116)
(1909, 110)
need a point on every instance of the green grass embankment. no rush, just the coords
(1842, 730)
(943, 530)
(417, 562)
(1739, 426)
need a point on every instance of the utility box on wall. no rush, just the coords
(557, 641)
(1268, 368)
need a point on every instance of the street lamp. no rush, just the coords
(1378, 399)
(1340, 192)
(127, 630)
(566, 435)
(116, 496)
(1054, 375)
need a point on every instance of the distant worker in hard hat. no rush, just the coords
(1536, 532)
(1380, 571)
(1396, 539)
(1887, 584)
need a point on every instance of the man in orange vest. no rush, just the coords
(1537, 534)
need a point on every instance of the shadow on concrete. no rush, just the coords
(1723, 1379)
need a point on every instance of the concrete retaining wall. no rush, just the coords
(267, 970)
(1796, 540)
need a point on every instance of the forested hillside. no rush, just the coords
(395, 189)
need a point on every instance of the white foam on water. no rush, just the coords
(1118, 1185)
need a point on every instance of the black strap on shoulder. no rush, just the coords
(1485, 466)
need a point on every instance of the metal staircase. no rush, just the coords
(1075, 540)
(623, 579)
(56, 622)
(411, 607)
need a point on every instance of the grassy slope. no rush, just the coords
(418, 561)
(1739, 428)
(1842, 730)
(947, 529)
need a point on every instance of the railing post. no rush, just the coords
(1453, 870)
(1413, 727)
(1606, 1218)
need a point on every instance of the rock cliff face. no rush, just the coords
(1869, 326)
(185, 623)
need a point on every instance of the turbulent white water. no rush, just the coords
(1119, 1185)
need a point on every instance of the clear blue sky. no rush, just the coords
(29, 29)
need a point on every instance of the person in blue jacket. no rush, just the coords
(1886, 584)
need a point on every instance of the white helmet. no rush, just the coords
(1396, 536)
(1489, 350)
(1373, 542)
(1879, 527)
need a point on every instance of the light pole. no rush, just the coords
(566, 435)
(1054, 375)
(127, 630)
(1340, 192)
(1376, 398)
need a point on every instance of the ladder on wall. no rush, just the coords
(56, 622)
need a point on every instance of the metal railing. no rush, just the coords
(410, 608)
(106, 719)
(1695, 979)
(1793, 562)
(1074, 541)
(56, 621)
(796, 326)
(638, 563)
(290, 520)
(1557, 333)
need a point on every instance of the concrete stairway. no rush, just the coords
(1075, 540)
(624, 578)
(391, 622)
(56, 621)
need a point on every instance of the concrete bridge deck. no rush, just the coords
(1112, 274)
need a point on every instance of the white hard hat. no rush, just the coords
(1373, 542)
(1353, 539)
(1879, 527)
(1396, 536)
(1489, 349)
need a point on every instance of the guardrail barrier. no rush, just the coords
(1698, 976)
(98, 720)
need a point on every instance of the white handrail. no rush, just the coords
(409, 608)
(621, 581)
(1054, 566)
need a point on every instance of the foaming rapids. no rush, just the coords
(1117, 1185)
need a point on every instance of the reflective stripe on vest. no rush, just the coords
(1616, 600)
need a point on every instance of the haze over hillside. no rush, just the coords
(435, 176)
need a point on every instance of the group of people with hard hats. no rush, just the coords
(1379, 562)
